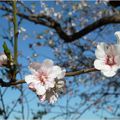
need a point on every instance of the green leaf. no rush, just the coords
(7, 51)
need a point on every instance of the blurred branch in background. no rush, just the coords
(50, 22)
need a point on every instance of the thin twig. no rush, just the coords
(68, 74)
(3, 105)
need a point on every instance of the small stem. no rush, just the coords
(15, 32)
(83, 71)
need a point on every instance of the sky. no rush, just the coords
(44, 52)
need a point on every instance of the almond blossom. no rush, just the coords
(3, 59)
(108, 59)
(43, 77)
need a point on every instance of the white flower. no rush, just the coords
(43, 76)
(108, 59)
(3, 59)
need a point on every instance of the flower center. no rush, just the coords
(42, 76)
(110, 60)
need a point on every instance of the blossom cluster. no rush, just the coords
(46, 80)
(108, 57)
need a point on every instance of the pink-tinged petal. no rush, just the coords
(117, 60)
(47, 63)
(100, 54)
(32, 86)
(100, 51)
(62, 74)
(35, 66)
(42, 98)
(108, 73)
(56, 70)
(30, 78)
(112, 50)
(45, 69)
(52, 76)
(46, 66)
(99, 64)
(107, 67)
(101, 46)
(40, 90)
(117, 49)
(49, 84)
(115, 68)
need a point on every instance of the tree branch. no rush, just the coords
(68, 74)
(50, 22)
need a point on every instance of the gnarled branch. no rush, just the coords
(50, 22)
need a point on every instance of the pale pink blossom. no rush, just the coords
(3, 59)
(108, 59)
(43, 76)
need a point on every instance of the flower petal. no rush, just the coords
(42, 97)
(99, 64)
(100, 52)
(40, 90)
(117, 49)
(49, 84)
(3, 57)
(35, 66)
(30, 78)
(108, 73)
(32, 86)
(117, 60)
(115, 68)
(47, 63)
(57, 72)
(61, 74)
(46, 66)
